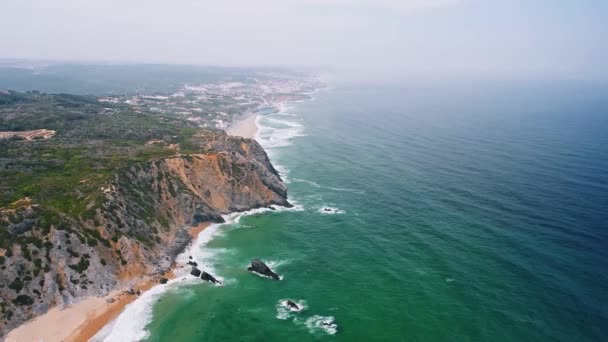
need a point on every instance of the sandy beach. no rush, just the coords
(245, 128)
(82, 320)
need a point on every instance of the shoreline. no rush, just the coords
(87, 318)
(82, 320)
(245, 127)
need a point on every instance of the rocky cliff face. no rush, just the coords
(135, 226)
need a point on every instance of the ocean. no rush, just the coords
(457, 212)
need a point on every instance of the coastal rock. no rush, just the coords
(195, 271)
(328, 324)
(293, 305)
(331, 210)
(163, 280)
(192, 263)
(208, 277)
(261, 268)
(325, 323)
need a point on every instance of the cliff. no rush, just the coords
(133, 223)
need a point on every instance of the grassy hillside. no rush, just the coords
(92, 141)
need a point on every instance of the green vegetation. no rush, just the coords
(16, 285)
(64, 177)
(23, 300)
(81, 266)
(93, 141)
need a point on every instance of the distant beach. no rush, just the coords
(246, 127)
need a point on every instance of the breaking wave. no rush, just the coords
(319, 323)
(284, 311)
(331, 211)
(317, 185)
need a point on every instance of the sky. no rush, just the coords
(387, 38)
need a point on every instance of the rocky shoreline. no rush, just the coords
(231, 174)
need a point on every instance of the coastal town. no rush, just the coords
(219, 104)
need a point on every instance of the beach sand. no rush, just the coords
(82, 320)
(245, 128)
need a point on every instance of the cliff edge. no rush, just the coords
(137, 229)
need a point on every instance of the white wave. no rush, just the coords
(317, 185)
(275, 264)
(285, 114)
(331, 211)
(322, 323)
(131, 324)
(284, 311)
(357, 191)
(265, 276)
(283, 106)
(283, 172)
(284, 122)
(272, 137)
(202, 256)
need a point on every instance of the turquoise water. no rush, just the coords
(465, 213)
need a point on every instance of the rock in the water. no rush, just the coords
(195, 271)
(208, 277)
(163, 280)
(259, 267)
(193, 263)
(293, 305)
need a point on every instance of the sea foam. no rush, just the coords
(318, 323)
(131, 324)
(317, 185)
(284, 311)
(330, 210)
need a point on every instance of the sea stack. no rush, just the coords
(208, 277)
(261, 268)
(293, 305)
(195, 271)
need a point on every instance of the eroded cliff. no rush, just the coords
(134, 225)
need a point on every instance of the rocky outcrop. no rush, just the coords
(292, 305)
(208, 277)
(195, 272)
(261, 268)
(134, 226)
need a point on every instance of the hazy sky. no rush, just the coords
(564, 38)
